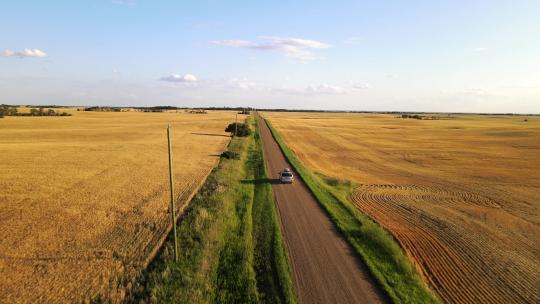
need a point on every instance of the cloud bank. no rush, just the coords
(247, 85)
(187, 78)
(35, 53)
(295, 48)
(325, 89)
(241, 83)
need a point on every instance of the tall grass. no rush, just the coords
(384, 257)
(231, 249)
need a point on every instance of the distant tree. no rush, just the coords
(6, 110)
(242, 129)
(34, 112)
(102, 109)
(9, 111)
(230, 155)
(198, 111)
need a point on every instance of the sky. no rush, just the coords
(442, 56)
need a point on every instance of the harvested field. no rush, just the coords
(462, 196)
(84, 199)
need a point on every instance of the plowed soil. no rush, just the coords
(461, 195)
(84, 199)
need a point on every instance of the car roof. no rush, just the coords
(286, 170)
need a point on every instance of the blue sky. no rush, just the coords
(466, 56)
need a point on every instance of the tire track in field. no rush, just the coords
(460, 264)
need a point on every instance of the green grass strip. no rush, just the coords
(378, 249)
(230, 244)
(274, 279)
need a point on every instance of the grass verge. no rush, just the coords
(230, 245)
(378, 249)
(272, 266)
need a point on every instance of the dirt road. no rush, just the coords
(325, 268)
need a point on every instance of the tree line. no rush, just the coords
(7, 110)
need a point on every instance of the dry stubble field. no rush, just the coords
(84, 199)
(462, 196)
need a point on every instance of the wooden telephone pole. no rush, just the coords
(236, 125)
(173, 205)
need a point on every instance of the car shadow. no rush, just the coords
(259, 181)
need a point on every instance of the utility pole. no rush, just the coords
(173, 206)
(236, 125)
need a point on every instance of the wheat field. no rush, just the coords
(461, 194)
(84, 199)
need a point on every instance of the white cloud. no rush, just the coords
(295, 48)
(8, 53)
(187, 78)
(326, 89)
(25, 53)
(296, 42)
(361, 86)
(236, 43)
(241, 83)
(322, 89)
(224, 84)
(313, 89)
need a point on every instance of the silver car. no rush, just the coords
(286, 176)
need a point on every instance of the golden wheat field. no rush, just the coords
(461, 195)
(84, 199)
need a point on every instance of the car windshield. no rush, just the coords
(286, 174)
